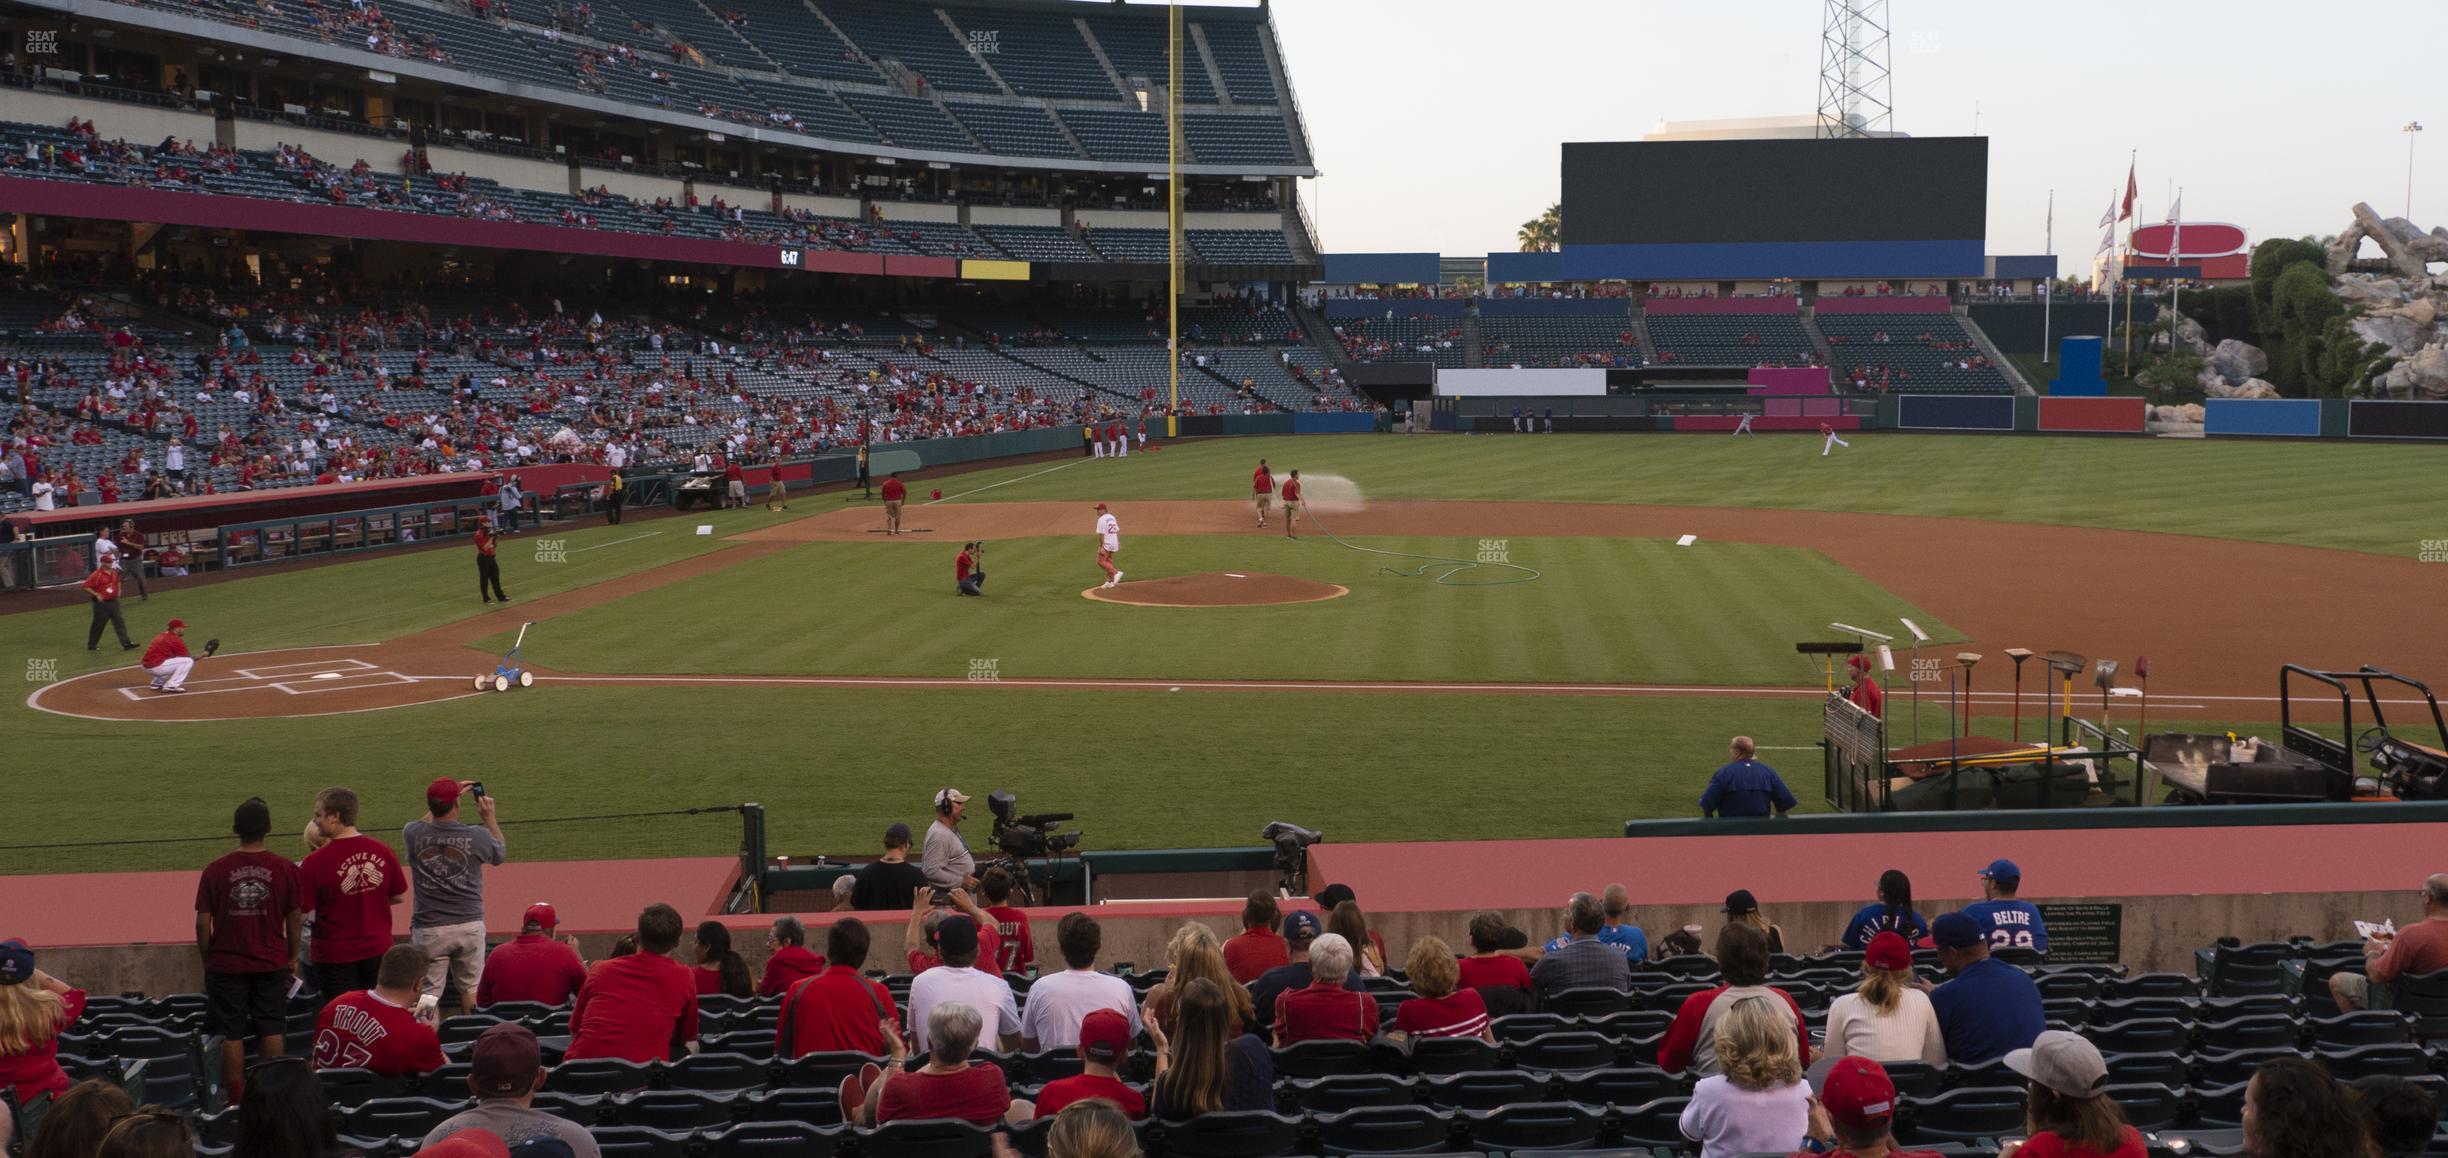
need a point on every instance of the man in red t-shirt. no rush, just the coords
(249, 931)
(1326, 1010)
(1262, 491)
(893, 490)
(1258, 947)
(349, 886)
(1291, 503)
(167, 661)
(488, 568)
(102, 587)
(536, 966)
(735, 485)
(1865, 692)
(790, 962)
(1018, 950)
(2418, 948)
(837, 1009)
(642, 1007)
(1105, 1037)
(967, 577)
(377, 1029)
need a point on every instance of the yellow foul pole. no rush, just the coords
(1173, 217)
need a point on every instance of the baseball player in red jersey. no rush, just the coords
(1832, 441)
(167, 661)
(1291, 502)
(1109, 540)
(1121, 445)
(1262, 491)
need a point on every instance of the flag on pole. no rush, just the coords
(2108, 225)
(2132, 191)
(2176, 224)
(2050, 230)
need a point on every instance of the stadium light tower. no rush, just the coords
(1856, 98)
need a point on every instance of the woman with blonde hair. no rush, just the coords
(1345, 921)
(35, 1008)
(1094, 1128)
(1888, 1019)
(1439, 1007)
(1743, 908)
(1192, 954)
(1758, 1103)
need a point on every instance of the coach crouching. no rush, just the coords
(969, 571)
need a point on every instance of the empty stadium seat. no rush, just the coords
(678, 1111)
(1237, 1134)
(1571, 1051)
(1339, 1092)
(1317, 1059)
(599, 1076)
(1620, 1086)
(773, 1140)
(1485, 1090)
(645, 1142)
(1532, 1126)
(1963, 1115)
(1450, 1055)
(1386, 1129)
(1586, 1002)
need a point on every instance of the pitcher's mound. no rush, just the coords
(1217, 589)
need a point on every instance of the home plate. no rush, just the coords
(327, 675)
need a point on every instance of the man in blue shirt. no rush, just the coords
(1746, 787)
(1618, 931)
(1991, 1008)
(2007, 922)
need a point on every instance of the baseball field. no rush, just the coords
(1514, 642)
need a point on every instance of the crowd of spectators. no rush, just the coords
(1761, 1081)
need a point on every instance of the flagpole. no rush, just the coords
(2176, 257)
(2048, 283)
(2133, 191)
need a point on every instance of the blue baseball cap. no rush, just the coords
(1302, 926)
(16, 962)
(2002, 870)
(1955, 931)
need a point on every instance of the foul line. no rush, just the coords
(1085, 683)
(615, 543)
(1007, 482)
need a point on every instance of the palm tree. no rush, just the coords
(1543, 232)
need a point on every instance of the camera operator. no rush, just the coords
(946, 858)
(969, 571)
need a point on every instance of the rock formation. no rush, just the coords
(2401, 310)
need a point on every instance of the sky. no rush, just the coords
(1436, 123)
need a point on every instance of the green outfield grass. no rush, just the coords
(1144, 769)
(1603, 611)
(2379, 498)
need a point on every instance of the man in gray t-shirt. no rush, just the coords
(446, 862)
(505, 1069)
(946, 858)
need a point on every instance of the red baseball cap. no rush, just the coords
(467, 1144)
(176, 624)
(442, 793)
(1858, 1095)
(1100, 506)
(1888, 950)
(1105, 1036)
(541, 914)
